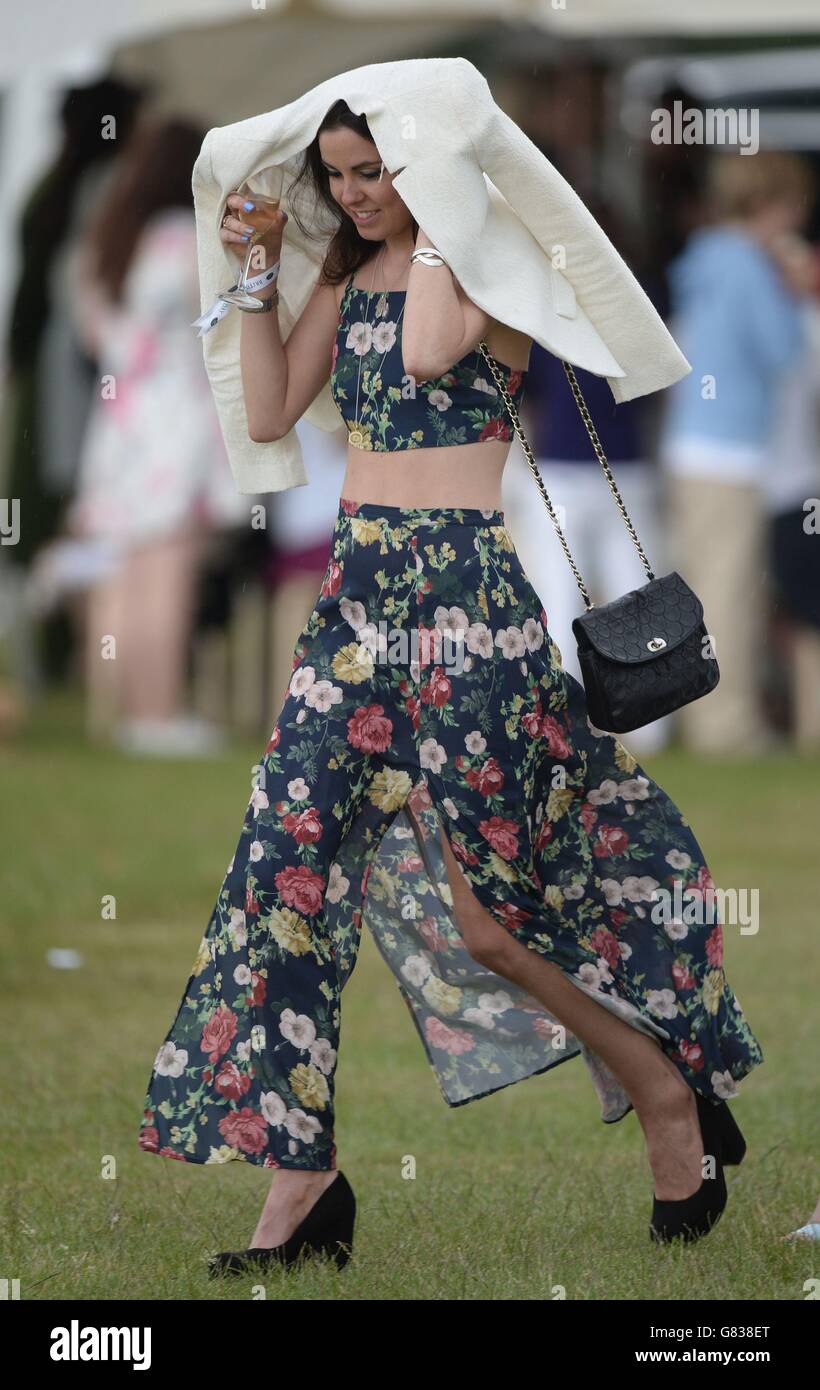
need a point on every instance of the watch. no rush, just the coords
(267, 304)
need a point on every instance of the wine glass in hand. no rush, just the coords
(250, 220)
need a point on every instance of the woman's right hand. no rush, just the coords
(236, 234)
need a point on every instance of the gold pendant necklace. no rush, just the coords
(356, 436)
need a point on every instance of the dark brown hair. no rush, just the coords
(346, 250)
(154, 173)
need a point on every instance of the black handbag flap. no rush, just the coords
(643, 624)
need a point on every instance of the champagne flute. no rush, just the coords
(261, 218)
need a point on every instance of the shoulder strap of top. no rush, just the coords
(347, 289)
(343, 300)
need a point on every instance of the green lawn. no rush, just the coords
(521, 1195)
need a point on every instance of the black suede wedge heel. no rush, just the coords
(732, 1142)
(326, 1230)
(691, 1217)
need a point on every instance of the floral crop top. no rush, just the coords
(463, 406)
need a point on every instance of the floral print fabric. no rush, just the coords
(378, 398)
(426, 697)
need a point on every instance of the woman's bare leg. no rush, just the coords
(664, 1104)
(293, 1192)
(102, 608)
(160, 585)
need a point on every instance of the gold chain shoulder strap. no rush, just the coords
(596, 444)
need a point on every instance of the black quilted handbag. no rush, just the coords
(646, 653)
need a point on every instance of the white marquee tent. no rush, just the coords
(222, 59)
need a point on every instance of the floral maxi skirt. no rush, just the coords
(427, 697)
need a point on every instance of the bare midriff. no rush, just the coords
(460, 475)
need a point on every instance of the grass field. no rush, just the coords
(520, 1195)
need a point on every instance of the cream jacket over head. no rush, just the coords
(519, 240)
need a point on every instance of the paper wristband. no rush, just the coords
(220, 307)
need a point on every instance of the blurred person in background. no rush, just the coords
(562, 110)
(301, 533)
(672, 196)
(50, 378)
(792, 499)
(587, 512)
(564, 119)
(735, 294)
(154, 482)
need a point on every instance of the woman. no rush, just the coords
(154, 480)
(433, 774)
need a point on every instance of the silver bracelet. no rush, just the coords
(221, 307)
(427, 255)
(266, 303)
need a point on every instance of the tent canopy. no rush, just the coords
(45, 31)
